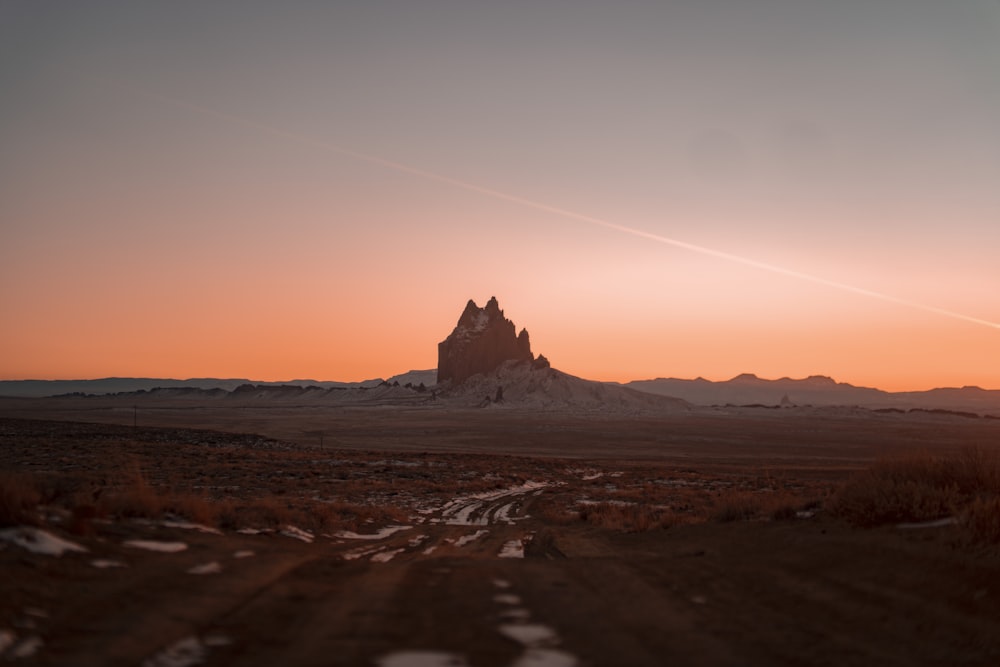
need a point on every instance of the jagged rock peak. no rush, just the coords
(481, 341)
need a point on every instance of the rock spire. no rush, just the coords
(482, 340)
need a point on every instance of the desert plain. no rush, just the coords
(414, 533)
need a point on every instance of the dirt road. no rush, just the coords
(480, 581)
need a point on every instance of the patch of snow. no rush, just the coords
(614, 503)
(154, 545)
(385, 556)
(39, 541)
(243, 553)
(458, 511)
(429, 550)
(512, 549)
(187, 525)
(532, 635)
(472, 537)
(418, 540)
(359, 553)
(511, 491)
(182, 653)
(25, 648)
(501, 583)
(104, 563)
(461, 516)
(507, 598)
(805, 514)
(421, 659)
(298, 534)
(379, 534)
(545, 657)
(503, 514)
(206, 568)
(591, 476)
(939, 523)
(252, 531)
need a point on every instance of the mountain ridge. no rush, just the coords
(818, 391)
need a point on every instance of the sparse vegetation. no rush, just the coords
(628, 517)
(19, 497)
(922, 487)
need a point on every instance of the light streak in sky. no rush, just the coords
(565, 213)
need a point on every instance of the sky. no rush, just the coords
(653, 189)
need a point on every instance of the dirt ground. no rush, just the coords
(515, 541)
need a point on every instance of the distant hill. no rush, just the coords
(522, 384)
(817, 390)
(41, 388)
(428, 378)
(525, 384)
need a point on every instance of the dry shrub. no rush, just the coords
(556, 515)
(311, 514)
(195, 507)
(982, 519)
(919, 487)
(628, 517)
(132, 495)
(743, 505)
(737, 506)
(265, 512)
(351, 516)
(19, 498)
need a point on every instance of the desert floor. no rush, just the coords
(495, 537)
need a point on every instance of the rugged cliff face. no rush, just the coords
(482, 340)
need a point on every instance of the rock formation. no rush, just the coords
(482, 340)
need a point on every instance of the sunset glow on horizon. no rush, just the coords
(651, 190)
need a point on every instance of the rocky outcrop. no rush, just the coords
(482, 340)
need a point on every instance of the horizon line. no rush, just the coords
(426, 370)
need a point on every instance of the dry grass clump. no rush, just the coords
(760, 505)
(982, 519)
(278, 511)
(628, 517)
(923, 487)
(195, 507)
(19, 498)
(132, 496)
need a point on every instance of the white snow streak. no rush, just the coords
(182, 653)
(380, 534)
(39, 541)
(298, 534)
(386, 556)
(512, 549)
(466, 539)
(154, 545)
(206, 568)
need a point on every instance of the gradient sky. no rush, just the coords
(181, 193)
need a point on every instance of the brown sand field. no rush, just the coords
(407, 535)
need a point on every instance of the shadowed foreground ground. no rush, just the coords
(504, 560)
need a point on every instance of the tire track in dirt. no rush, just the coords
(140, 613)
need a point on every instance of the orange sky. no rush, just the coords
(174, 201)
